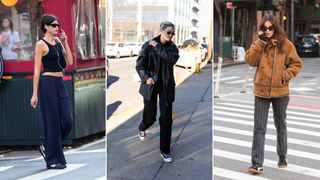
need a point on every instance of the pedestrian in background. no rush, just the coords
(155, 68)
(10, 42)
(277, 63)
(53, 95)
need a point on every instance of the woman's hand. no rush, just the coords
(153, 43)
(34, 101)
(261, 36)
(150, 81)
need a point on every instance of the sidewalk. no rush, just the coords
(191, 144)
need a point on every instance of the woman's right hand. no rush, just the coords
(150, 81)
(261, 36)
(34, 101)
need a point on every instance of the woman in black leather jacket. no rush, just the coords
(155, 68)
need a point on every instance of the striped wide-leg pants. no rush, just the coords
(261, 111)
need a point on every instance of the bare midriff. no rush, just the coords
(57, 74)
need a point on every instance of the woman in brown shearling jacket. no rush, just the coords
(277, 63)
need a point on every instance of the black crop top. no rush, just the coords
(52, 62)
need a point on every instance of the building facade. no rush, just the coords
(139, 20)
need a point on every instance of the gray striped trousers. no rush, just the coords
(261, 110)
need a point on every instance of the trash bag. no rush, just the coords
(190, 42)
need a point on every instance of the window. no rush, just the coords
(85, 29)
(20, 29)
(102, 19)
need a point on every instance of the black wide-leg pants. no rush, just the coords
(261, 111)
(165, 120)
(56, 116)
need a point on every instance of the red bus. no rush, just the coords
(84, 22)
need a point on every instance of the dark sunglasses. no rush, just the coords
(271, 28)
(54, 25)
(169, 33)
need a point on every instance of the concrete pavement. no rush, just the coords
(191, 144)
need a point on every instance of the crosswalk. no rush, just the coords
(32, 168)
(237, 80)
(233, 131)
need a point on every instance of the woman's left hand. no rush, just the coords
(153, 43)
(63, 36)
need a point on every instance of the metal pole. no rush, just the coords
(218, 78)
(246, 81)
(232, 25)
(292, 22)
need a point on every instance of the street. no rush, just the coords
(233, 127)
(191, 143)
(85, 162)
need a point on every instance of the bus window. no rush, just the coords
(17, 38)
(102, 26)
(85, 31)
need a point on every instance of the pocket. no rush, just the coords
(283, 78)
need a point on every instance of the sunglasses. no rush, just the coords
(54, 25)
(269, 28)
(169, 33)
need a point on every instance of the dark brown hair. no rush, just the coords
(47, 19)
(279, 34)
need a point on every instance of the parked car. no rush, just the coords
(205, 47)
(118, 49)
(135, 47)
(308, 44)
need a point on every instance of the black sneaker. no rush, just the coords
(283, 162)
(56, 166)
(166, 157)
(256, 168)
(42, 150)
(142, 135)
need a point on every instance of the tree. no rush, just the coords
(313, 9)
(217, 5)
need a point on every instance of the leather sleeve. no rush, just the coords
(170, 56)
(295, 63)
(253, 54)
(142, 62)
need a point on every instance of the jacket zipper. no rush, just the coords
(274, 51)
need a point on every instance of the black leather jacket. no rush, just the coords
(148, 66)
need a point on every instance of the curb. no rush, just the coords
(229, 64)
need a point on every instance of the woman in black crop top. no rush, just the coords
(53, 96)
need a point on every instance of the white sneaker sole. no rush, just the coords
(168, 160)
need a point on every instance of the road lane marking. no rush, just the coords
(102, 178)
(88, 151)
(268, 136)
(115, 117)
(288, 112)
(51, 173)
(269, 148)
(302, 89)
(5, 168)
(269, 163)
(174, 116)
(227, 78)
(235, 175)
(201, 85)
(289, 120)
(250, 123)
(239, 81)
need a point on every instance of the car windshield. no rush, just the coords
(306, 39)
(111, 44)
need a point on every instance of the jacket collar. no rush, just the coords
(157, 39)
(274, 42)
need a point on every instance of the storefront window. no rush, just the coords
(85, 29)
(102, 26)
(19, 29)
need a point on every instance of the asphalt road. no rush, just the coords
(233, 127)
(85, 162)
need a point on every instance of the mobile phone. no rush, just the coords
(154, 78)
(62, 38)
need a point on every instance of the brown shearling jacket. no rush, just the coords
(274, 70)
